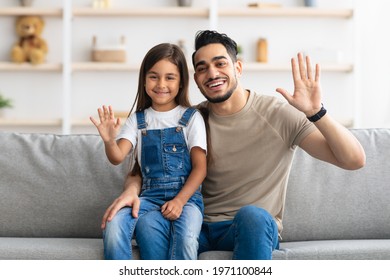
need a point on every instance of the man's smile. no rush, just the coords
(216, 83)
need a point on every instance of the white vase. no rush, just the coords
(311, 3)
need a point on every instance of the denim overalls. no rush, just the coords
(166, 165)
(165, 158)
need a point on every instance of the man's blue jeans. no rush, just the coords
(171, 239)
(252, 234)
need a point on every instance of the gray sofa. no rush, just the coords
(54, 190)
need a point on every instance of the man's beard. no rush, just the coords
(220, 99)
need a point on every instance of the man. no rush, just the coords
(252, 139)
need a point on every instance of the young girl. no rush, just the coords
(170, 142)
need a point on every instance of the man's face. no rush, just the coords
(215, 73)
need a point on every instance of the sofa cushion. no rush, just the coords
(55, 185)
(19, 248)
(321, 250)
(325, 202)
(367, 249)
(50, 248)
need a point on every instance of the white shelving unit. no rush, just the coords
(286, 12)
(258, 67)
(23, 67)
(69, 68)
(142, 12)
(17, 11)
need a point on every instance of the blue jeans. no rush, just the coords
(173, 239)
(251, 235)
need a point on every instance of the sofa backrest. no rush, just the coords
(326, 202)
(60, 186)
(55, 185)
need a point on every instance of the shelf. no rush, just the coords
(204, 12)
(46, 67)
(253, 66)
(27, 11)
(83, 122)
(286, 12)
(248, 66)
(87, 121)
(29, 122)
(142, 12)
(103, 66)
(181, 11)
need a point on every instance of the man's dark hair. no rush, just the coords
(206, 37)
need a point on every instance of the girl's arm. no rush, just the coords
(172, 209)
(117, 151)
(108, 128)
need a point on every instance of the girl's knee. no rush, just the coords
(191, 218)
(121, 224)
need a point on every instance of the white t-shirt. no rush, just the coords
(194, 132)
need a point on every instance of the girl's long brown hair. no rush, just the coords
(142, 100)
(159, 52)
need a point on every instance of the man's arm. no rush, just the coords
(129, 197)
(332, 142)
(335, 144)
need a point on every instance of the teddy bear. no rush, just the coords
(30, 47)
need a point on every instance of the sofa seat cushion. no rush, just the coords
(367, 249)
(53, 248)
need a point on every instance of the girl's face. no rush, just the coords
(162, 84)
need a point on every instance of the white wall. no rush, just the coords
(373, 57)
(362, 41)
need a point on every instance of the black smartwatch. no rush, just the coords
(319, 115)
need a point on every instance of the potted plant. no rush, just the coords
(4, 103)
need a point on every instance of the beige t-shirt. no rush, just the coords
(252, 153)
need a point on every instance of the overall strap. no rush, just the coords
(141, 120)
(187, 116)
